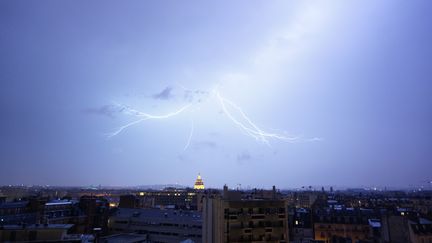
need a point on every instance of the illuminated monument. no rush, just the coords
(199, 184)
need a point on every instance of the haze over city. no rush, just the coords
(257, 93)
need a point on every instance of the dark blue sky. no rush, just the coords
(349, 82)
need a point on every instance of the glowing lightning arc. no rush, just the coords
(144, 117)
(190, 136)
(246, 125)
(250, 128)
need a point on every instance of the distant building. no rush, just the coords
(304, 199)
(168, 198)
(17, 212)
(229, 218)
(86, 214)
(199, 184)
(130, 201)
(64, 212)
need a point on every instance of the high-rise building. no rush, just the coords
(199, 184)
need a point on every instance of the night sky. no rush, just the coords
(331, 93)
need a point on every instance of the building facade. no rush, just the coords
(229, 218)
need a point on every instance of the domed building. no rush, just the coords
(199, 184)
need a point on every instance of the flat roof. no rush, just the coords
(57, 203)
(60, 202)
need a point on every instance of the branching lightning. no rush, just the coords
(147, 116)
(229, 108)
(120, 129)
(144, 116)
(250, 128)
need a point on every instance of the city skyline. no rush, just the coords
(254, 93)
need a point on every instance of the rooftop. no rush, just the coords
(58, 202)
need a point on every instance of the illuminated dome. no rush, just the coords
(199, 184)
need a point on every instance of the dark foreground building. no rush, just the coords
(229, 218)
(158, 225)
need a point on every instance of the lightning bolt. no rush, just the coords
(190, 136)
(120, 129)
(246, 125)
(249, 127)
(143, 116)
